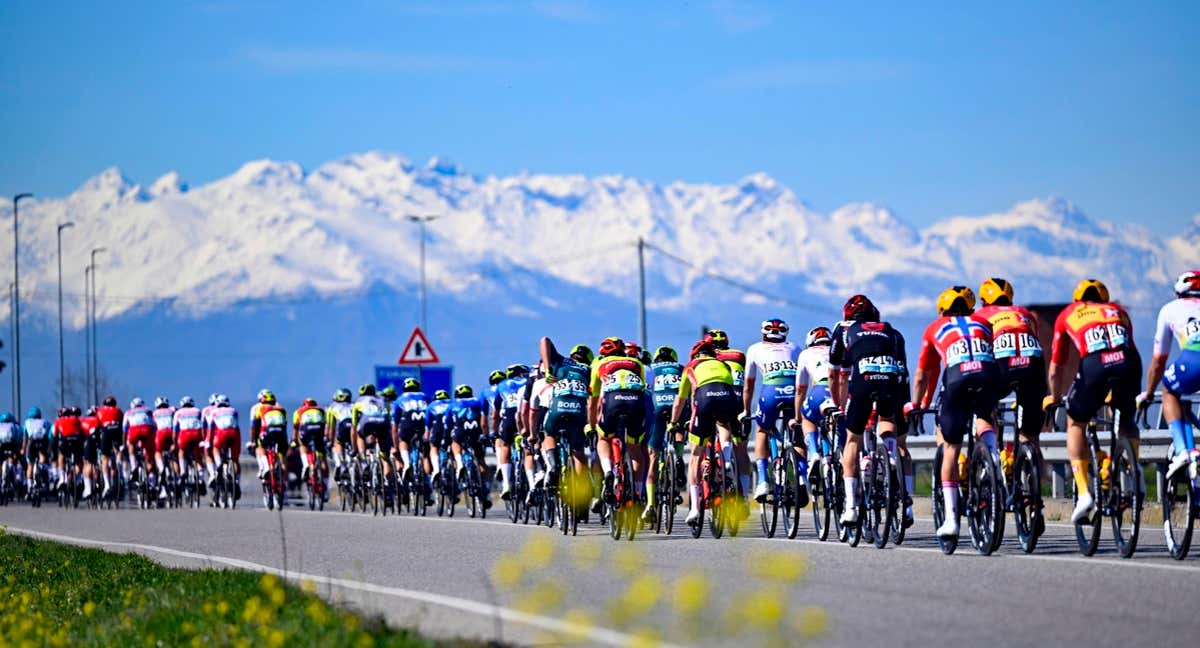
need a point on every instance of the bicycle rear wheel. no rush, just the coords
(822, 503)
(902, 499)
(1027, 497)
(791, 495)
(1087, 531)
(768, 509)
(985, 501)
(671, 494)
(1127, 493)
(1179, 511)
(881, 505)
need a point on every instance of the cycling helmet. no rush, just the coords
(633, 350)
(719, 338)
(996, 291)
(956, 300)
(310, 402)
(35, 412)
(665, 354)
(91, 411)
(1188, 284)
(341, 396)
(582, 354)
(268, 397)
(7, 417)
(161, 402)
(366, 390)
(64, 411)
(495, 377)
(222, 400)
(262, 393)
(645, 359)
(819, 335)
(611, 346)
(187, 401)
(109, 401)
(463, 391)
(860, 309)
(212, 398)
(388, 392)
(704, 348)
(75, 411)
(774, 330)
(1090, 290)
(441, 394)
(411, 385)
(137, 402)
(516, 370)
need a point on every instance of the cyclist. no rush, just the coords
(775, 358)
(206, 413)
(465, 424)
(870, 355)
(189, 432)
(91, 445)
(164, 434)
(505, 405)
(666, 374)
(138, 426)
(812, 399)
(372, 425)
(337, 427)
(268, 429)
(226, 434)
(308, 434)
(962, 341)
(569, 379)
(707, 385)
(408, 419)
(489, 395)
(1109, 362)
(1179, 319)
(108, 419)
(71, 437)
(12, 440)
(535, 402)
(618, 400)
(39, 441)
(435, 425)
(739, 435)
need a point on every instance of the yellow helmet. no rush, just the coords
(1091, 290)
(957, 299)
(995, 290)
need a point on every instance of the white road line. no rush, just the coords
(487, 610)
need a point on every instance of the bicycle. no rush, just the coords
(447, 485)
(225, 487)
(314, 486)
(376, 483)
(140, 494)
(1025, 487)
(274, 482)
(570, 497)
(343, 475)
(8, 481)
(716, 487)
(39, 486)
(1180, 497)
(826, 486)
(784, 477)
(622, 513)
(667, 489)
(188, 491)
(474, 488)
(415, 481)
(518, 489)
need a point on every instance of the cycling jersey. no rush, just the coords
(10, 433)
(775, 361)
(206, 416)
(37, 430)
(223, 418)
(617, 373)
(187, 419)
(704, 371)
(435, 417)
(570, 386)
(164, 428)
(507, 396)
(138, 426)
(309, 419)
(109, 417)
(369, 411)
(874, 354)
(1092, 328)
(813, 366)
(1180, 319)
(409, 415)
(464, 419)
(736, 360)
(339, 416)
(1014, 334)
(963, 343)
(664, 383)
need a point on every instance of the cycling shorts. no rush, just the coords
(381, 433)
(1099, 372)
(568, 427)
(623, 414)
(965, 396)
(712, 404)
(90, 444)
(275, 439)
(231, 439)
(313, 438)
(143, 434)
(342, 431)
(109, 437)
(410, 431)
(71, 448)
(10, 449)
(869, 391)
(34, 448)
(657, 439)
(1027, 377)
(775, 402)
(508, 426)
(811, 409)
(189, 442)
(1182, 377)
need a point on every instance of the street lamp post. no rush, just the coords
(62, 364)
(423, 221)
(95, 330)
(87, 334)
(17, 304)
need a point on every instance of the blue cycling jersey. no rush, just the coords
(10, 432)
(435, 412)
(665, 381)
(508, 394)
(465, 413)
(410, 406)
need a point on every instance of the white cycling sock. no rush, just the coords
(159, 463)
(435, 458)
(950, 498)
(529, 474)
(262, 464)
(694, 490)
(606, 464)
(851, 484)
(506, 474)
(217, 460)
(551, 458)
(304, 460)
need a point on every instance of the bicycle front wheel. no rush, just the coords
(768, 509)
(1027, 497)
(985, 501)
(1180, 510)
(881, 505)
(1087, 531)
(1127, 493)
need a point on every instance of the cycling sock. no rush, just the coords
(910, 483)
(988, 439)
(745, 479)
(606, 465)
(1181, 436)
(694, 490)
(802, 470)
(761, 465)
(890, 444)
(529, 474)
(950, 498)
(813, 441)
(304, 460)
(436, 458)
(158, 462)
(262, 464)
(551, 460)
(851, 484)
(506, 474)
(650, 493)
(1079, 467)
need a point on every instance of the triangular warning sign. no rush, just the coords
(418, 351)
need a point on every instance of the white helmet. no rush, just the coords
(222, 400)
(136, 402)
(774, 330)
(1188, 284)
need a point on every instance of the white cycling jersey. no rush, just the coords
(1178, 320)
(775, 361)
(541, 394)
(814, 366)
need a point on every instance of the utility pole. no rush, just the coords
(423, 221)
(62, 364)
(12, 327)
(641, 247)
(17, 305)
(95, 330)
(87, 328)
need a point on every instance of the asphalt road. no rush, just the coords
(494, 580)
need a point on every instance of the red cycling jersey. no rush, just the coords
(109, 416)
(1092, 328)
(89, 423)
(68, 426)
(1014, 332)
(961, 341)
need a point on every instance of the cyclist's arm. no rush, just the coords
(550, 355)
(748, 393)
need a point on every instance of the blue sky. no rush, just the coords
(933, 110)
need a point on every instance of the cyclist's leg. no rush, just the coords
(858, 410)
(1083, 401)
(954, 419)
(764, 419)
(1177, 382)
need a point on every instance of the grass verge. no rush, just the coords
(54, 594)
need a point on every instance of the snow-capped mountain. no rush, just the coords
(557, 252)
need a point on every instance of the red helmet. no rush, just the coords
(610, 346)
(703, 347)
(310, 402)
(718, 337)
(860, 309)
(633, 350)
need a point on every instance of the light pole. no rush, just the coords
(87, 334)
(62, 365)
(11, 328)
(423, 221)
(95, 330)
(641, 247)
(17, 304)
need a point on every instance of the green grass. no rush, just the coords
(54, 594)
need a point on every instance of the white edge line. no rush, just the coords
(598, 634)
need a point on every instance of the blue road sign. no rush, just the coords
(432, 378)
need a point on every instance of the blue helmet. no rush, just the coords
(7, 417)
(35, 412)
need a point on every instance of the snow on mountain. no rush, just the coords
(271, 230)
